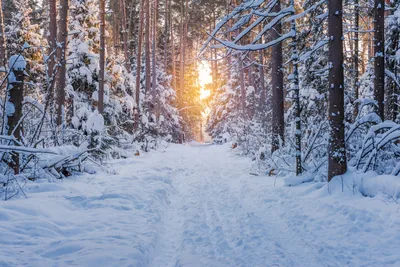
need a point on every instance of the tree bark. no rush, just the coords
(116, 19)
(277, 86)
(139, 64)
(263, 96)
(356, 54)
(125, 35)
(62, 39)
(3, 56)
(242, 87)
(215, 62)
(379, 56)
(336, 148)
(154, 65)
(15, 96)
(147, 47)
(167, 21)
(52, 39)
(392, 90)
(182, 56)
(173, 58)
(102, 55)
(296, 92)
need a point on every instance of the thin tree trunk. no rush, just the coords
(147, 47)
(242, 87)
(250, 69)
(364, 53)
(356, 54)
(139, 64)
(52, 38)
(63, 39)
(115, 16)
(154, 69)
(125, 36)
(3, 55)
(215, 65)
(173, 58)
(52, 53)
(379, 56)
(336, 148)
(262, 83)
(296, 91)
(182, 56)
(167, 21)
(277, 86)
(102, 55)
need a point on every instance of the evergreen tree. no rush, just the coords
(25, 37)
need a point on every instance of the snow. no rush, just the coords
(384, 184)
(197, 205)
(17, 62)
(95, 123)
(305, 12)
(318, 46)
(250, 90)
(255, 47)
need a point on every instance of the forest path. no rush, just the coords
(216, 218)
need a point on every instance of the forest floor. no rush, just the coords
(195, 205)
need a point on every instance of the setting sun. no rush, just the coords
(204, 78)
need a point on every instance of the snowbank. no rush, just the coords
(102, 220)
(372, 185)
(368, 184)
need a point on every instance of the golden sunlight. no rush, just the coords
(204, 79)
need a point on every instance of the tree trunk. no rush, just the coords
(263, 95)
(277, 85)
(116, 19)
(173, 59)
(215, 62)
(336, 149)
(3, 56)
(52, 39)
(167, 21)
(102, 55)
(242, 87)
(125, 35)
(139, 64)
(296, 92)
(147, 47)
(182, 56)
(379, 56)
(392, 90)
(154, 66)
(356, 54)
(62, 39)
(15, 96)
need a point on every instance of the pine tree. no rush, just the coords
(84, 48)
(24, 36)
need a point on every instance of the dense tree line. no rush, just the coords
(102, 76)
(326, 77)
(301, 86)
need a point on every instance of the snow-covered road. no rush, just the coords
(195, 205)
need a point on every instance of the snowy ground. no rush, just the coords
(195, 206)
